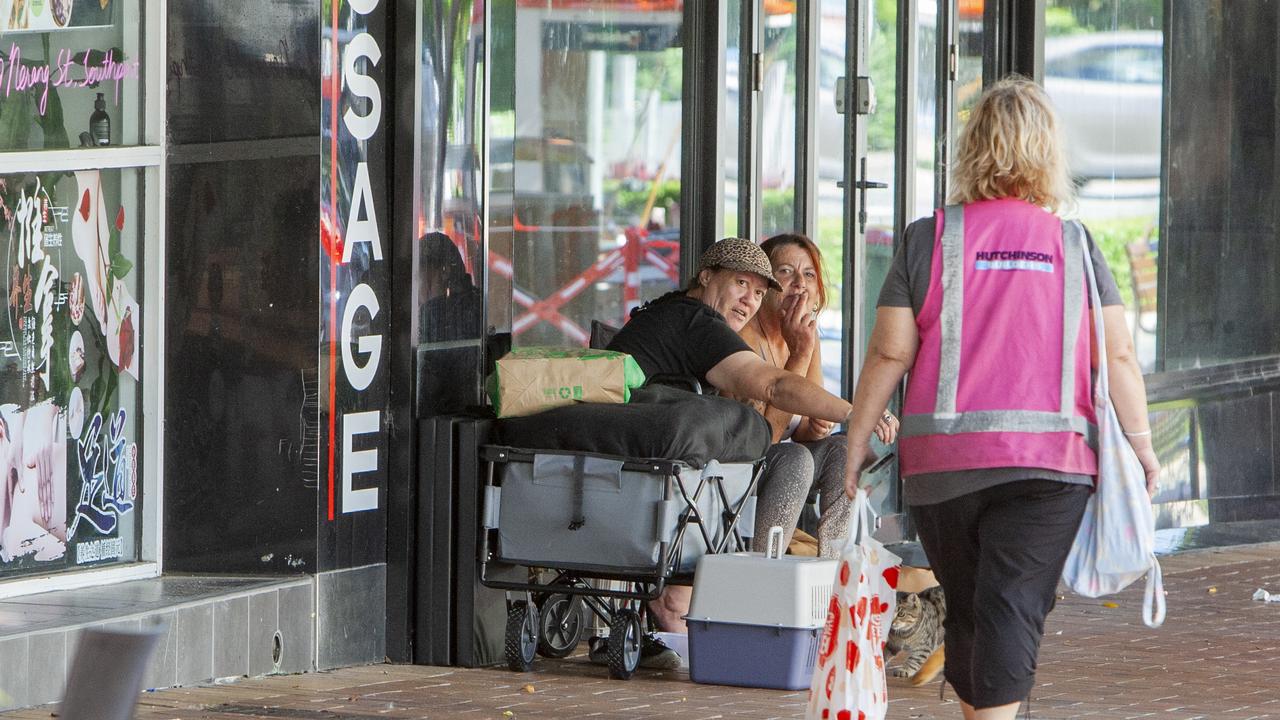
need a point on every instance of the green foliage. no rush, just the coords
(15, 120)
(1060, 21)
(1112, 236)
(120, 265)
(881, 128)
(831, 242)
(502, 56)
(886, 11)
(660, 71)
(1103, 15)
(777, 211)
(629, 198)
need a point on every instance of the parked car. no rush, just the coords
(1107, 89)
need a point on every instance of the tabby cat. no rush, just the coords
(917, 631)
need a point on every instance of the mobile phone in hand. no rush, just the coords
(875, 464)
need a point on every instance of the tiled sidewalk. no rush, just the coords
(1217, 657)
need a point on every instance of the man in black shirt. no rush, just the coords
(694, 332)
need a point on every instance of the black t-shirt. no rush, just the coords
(677, 335)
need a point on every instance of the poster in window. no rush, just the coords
(69, 342)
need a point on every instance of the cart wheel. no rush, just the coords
(624, 644)
(522, 635)
(560, 624)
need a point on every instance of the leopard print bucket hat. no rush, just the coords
(738, 254)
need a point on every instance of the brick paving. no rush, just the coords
(1217, 657)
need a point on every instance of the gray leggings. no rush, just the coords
(792, 469)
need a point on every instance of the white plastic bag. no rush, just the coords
(848, 676)
(1115, 544)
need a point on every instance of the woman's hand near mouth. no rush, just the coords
(799, 327)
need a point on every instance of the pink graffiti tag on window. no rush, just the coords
(70, 69)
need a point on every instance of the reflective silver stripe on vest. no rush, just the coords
(952, 319)
(1020, 421)
(1072, 309)
(945, 420)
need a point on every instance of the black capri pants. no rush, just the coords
(998, 554)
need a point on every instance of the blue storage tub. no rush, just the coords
(759, 656)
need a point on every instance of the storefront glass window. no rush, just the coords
(778, 121)
(235, 71)
(731, 111)
(829, 151)
(70, 74)
(73, 76)
(1103, 68)
(877, 169)
(967, 83)
(447, 315)
(925, 140)
(70, 369)
(881, 159)
(584, 156)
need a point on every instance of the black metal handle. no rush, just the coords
(863, 184)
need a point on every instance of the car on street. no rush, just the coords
(1107, 89)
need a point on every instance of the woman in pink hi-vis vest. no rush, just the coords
(986, 306)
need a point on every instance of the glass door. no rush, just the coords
(857, 216)
(584, 158)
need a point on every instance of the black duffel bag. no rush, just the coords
(660, 422)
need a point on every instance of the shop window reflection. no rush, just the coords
(778, 126)
(730, 111)
(450, 304)
(967, 86)
(1103, 69)
(73, 75)
(881, 162)
(829, 152)
(585, 154)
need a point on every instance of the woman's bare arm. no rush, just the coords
(813, 428)
(1128, 390)
(892, 350)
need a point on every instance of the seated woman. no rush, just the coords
(784, 334)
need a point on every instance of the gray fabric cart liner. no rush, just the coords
(577, 511)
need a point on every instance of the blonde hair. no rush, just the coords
(1012, 147)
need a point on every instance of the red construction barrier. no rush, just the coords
(636, 250)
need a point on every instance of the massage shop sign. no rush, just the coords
(62, 89)
(69, 355)
(354, 286)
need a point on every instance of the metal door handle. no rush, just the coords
(863, 184)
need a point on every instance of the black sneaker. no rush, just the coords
(598, 650)
(655, 655)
